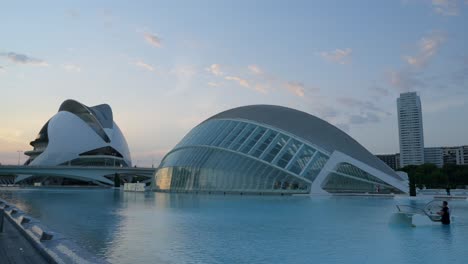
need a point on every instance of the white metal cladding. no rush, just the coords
(269, 145)
(77, 129)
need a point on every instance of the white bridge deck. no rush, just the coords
(87, 173)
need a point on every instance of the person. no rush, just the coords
(447, 189)
(445, 213)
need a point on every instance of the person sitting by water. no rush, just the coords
(445, 213)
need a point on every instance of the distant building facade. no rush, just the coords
(392, 160)
(434, 155)
(410, 127)
(438, 156)
(457, 155)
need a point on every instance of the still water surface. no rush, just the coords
(183, 228)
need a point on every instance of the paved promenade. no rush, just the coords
(15, 248)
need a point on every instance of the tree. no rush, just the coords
(412, 185)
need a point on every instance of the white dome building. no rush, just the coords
(267, 149)
(79, 135)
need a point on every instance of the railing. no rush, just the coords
(53, 246)
(407, 209)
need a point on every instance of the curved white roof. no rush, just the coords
(308, 127)
(77, 129)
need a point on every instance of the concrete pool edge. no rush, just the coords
(53, 246)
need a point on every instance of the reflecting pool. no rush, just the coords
(185, 228)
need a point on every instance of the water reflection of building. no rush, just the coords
(90, 217)
(265, 149)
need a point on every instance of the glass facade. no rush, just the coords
(347, 178)
(240, 156)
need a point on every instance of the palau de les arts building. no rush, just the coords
(78, 135)
(267, 149)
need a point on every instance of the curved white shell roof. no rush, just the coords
(76, 129)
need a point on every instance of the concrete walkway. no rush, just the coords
(15, 248)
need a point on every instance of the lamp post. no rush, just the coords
(19, 156)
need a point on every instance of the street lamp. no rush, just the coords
(19, 156)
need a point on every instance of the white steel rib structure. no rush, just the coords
(266, 149)
(79, 135)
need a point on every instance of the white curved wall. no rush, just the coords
(69, 136)
(119, 143)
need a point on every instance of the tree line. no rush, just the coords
(430, 176)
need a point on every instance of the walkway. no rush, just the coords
(15, 248)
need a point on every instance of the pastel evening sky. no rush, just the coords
(165, 66)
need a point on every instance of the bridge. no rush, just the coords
(93, 174)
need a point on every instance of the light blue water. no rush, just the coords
(184, 228)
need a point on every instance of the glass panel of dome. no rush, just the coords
(227, 129)
(277, 147)
(317, 165)
(222, 126)
(204, 137)
(216, 128)
(242, 137)
(235, 132)
(351, 170)
(340, 183)
(304, 157)
(287, 155)
(256, 135)
(265, 141)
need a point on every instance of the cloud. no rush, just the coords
(296, 88)
(428, 47)
(340, 56)
(404, 80)
(72, 68)
(214, 84)
(368, 117)
(23, 59)
(144, 65)
(152, 40)
(261, 88)
(363, 106)
(183, 75)
(72, 13)
(379, 90)
(446, 7)
(325, 111)
(240, 81)
(254, 69)
(460, 76)
(215, 69)
(184, 71)
(442, 104)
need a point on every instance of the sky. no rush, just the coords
(165, 66)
